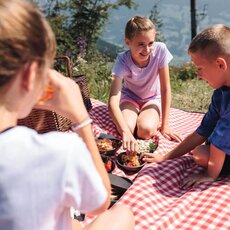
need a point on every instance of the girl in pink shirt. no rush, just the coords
(140, 89)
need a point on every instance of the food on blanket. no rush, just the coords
(147, 146)
(130, 161)
(105, 144)
(108, 146)
(109, 164)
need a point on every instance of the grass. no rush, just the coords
(191, 95)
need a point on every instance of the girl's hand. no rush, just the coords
(169, 134)
(195, 179)
(152, 157)
(129, 142)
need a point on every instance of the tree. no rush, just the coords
(88, 18)
(196, 17)
(193, 17)
(77, 24)
(156, 19)
(55, 11)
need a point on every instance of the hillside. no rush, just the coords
(175, 15)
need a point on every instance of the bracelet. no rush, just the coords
(74, 127)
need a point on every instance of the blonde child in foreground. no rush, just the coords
(136, 105)
(210, 53)
(44, 175)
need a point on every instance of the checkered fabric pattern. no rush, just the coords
(156, 198)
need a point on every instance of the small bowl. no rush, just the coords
(111, 166)
(116, 144)
(122, 164)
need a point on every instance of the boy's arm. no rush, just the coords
(188, 144)
(215, 164)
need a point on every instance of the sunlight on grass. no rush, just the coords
(191, 95)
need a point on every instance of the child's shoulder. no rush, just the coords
(124, 56)
(160, 45)
(160, 50)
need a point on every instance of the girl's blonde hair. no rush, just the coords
(212, 42)
(25, 36)
(138, 24)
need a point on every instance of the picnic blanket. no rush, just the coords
(155, 197)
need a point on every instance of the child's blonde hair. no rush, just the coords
(25, 36)
(138, 24)
(212, 42)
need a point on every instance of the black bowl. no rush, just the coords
(116, 144)
(122, 164)
(106, 160)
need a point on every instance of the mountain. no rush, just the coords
(175, 15)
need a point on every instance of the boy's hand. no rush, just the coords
(195, 179)
(152, 157)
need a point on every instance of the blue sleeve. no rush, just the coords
(220, 136)
(211, 117)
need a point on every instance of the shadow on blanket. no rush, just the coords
(167, 176)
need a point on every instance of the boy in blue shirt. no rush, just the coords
(210, 53)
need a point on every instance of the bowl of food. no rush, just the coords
(130, 162)
(148, 146)
(108, 146)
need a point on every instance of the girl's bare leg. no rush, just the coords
(148, 121)
(130, 114)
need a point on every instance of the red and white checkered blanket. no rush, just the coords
(156, 198)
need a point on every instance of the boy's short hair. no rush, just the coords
(25, 36)
(138, 24)
(212, 42)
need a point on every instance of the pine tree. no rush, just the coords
(156, 19)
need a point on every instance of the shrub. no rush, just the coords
(187, 71)
(97, 68)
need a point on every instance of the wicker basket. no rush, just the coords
(79, 79)
(45, 121)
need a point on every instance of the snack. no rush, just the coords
(105, 144)
(108, 163)
(131, 160)
(47, 94)
(147, 146)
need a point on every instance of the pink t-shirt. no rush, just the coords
(142, 84)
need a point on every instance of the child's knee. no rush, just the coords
(199, 155)
(124, 213)
(146, 133)
(196, 154)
